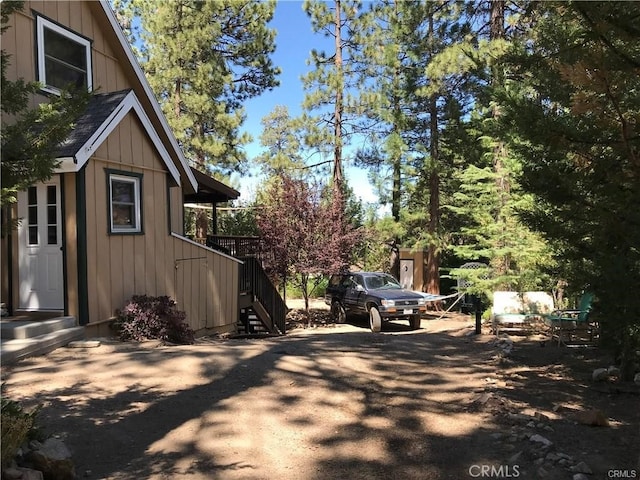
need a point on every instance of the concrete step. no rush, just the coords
(24, 329)
(24, 339)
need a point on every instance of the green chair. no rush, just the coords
(567, 323)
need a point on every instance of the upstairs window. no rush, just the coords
(64, 57)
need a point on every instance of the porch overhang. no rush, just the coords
(210, 190)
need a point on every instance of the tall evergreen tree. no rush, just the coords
(283, 139)
(328, 99)
(572, 113)
(483, 211)
(203, 60)
(405, 112)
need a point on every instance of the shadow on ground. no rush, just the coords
(335, 402)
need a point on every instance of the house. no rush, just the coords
(109, 224)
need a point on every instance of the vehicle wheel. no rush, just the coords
(414, 322)
(375, 320)
(338, 313)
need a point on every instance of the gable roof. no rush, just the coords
(98, 110)
(103, 114)
(146, 96)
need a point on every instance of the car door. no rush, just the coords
(353, 292)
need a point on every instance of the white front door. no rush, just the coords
(40, 247)
(406, 274)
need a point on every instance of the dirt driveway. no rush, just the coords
(335, 402)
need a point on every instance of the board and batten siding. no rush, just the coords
(159, 261)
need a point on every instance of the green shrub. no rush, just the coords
(17, 427)
(316, 285)
(152, 318)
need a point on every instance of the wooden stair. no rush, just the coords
(254, 318)
(259, 301)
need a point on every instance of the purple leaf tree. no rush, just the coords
(305, 233)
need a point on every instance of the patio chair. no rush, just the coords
(567, 323)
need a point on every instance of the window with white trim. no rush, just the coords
(64, 57)
(125, 210)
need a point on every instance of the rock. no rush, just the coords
(34, 445)
(484, 398)
(518, 417)
(540, 439)
(541, 417)
(53, 459)
(513, 459)
(542, 473)
(594, 418)
(84, 344)
(11, 473)
(636, 379)
(552, 457)
(581, 468)
(600, 374)
(21, 473)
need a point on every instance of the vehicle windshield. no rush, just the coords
(381, 281)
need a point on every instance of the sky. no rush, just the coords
(294, 42)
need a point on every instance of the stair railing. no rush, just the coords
(253, 279)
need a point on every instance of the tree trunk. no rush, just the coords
(337, 152)
(501, 265)
(432, 270)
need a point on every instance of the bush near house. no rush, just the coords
(152, 318)
(18, 427)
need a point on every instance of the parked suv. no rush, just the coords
(377, 294)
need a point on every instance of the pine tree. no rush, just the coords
(203, 60)
(483, 206)
(328, 98)
(283, 138)
(330, 103)
(572, 113)
(405, 113)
